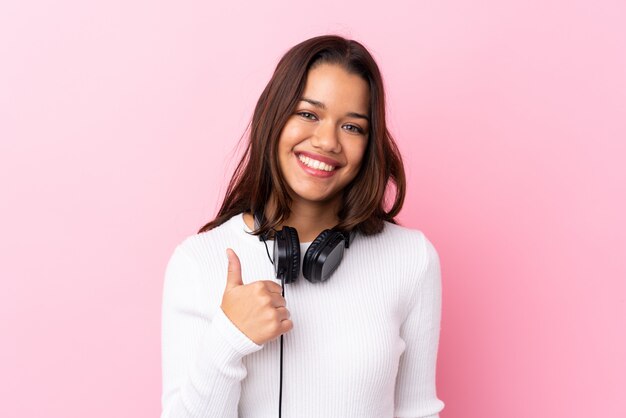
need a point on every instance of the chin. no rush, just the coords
(317, 198)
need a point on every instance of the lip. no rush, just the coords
(313, 172)
(321, 158)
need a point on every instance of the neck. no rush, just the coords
(310, 218)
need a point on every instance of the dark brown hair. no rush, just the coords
(257, 177)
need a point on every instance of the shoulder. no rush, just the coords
(406, 241)
(198, 262)
(198, 246)
(415, 237)
(407, 247)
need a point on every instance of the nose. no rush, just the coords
(326, 138)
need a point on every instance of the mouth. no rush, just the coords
(315, 167)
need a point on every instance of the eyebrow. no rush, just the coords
(323, 106)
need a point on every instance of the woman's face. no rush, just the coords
(322, 144)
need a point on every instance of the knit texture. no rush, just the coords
(363, 344)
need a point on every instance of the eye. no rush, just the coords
(355, 129)
(307, 115)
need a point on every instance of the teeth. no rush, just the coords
(318, 165)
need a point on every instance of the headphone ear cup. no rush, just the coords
(310, 257)
(323, 258)
(293, 252)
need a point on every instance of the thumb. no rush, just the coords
(234, 270)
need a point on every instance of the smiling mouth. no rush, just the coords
(315, 164)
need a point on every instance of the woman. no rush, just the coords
(362, 327)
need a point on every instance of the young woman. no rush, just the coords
(361, 329)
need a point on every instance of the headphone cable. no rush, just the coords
(280, 394)
(282, 285)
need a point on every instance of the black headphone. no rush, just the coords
(320, 260)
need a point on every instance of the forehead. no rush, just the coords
(338, 89)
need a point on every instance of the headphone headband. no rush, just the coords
(258, 217)
(321, 259)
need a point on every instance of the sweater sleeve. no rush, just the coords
(415, 394)
(202, 353)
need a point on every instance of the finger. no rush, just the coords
(272, 286)
(233, 278)
(285, 326)
(277, 300)
(283, 313)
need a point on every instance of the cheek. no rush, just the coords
(293, 133)
(356, 154)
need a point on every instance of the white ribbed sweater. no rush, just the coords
(363, 344)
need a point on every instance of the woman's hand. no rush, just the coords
(257, 309)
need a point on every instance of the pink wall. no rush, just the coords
(118, 126)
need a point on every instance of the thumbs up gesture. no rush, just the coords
(257, 309)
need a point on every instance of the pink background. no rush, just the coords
(119, 122)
